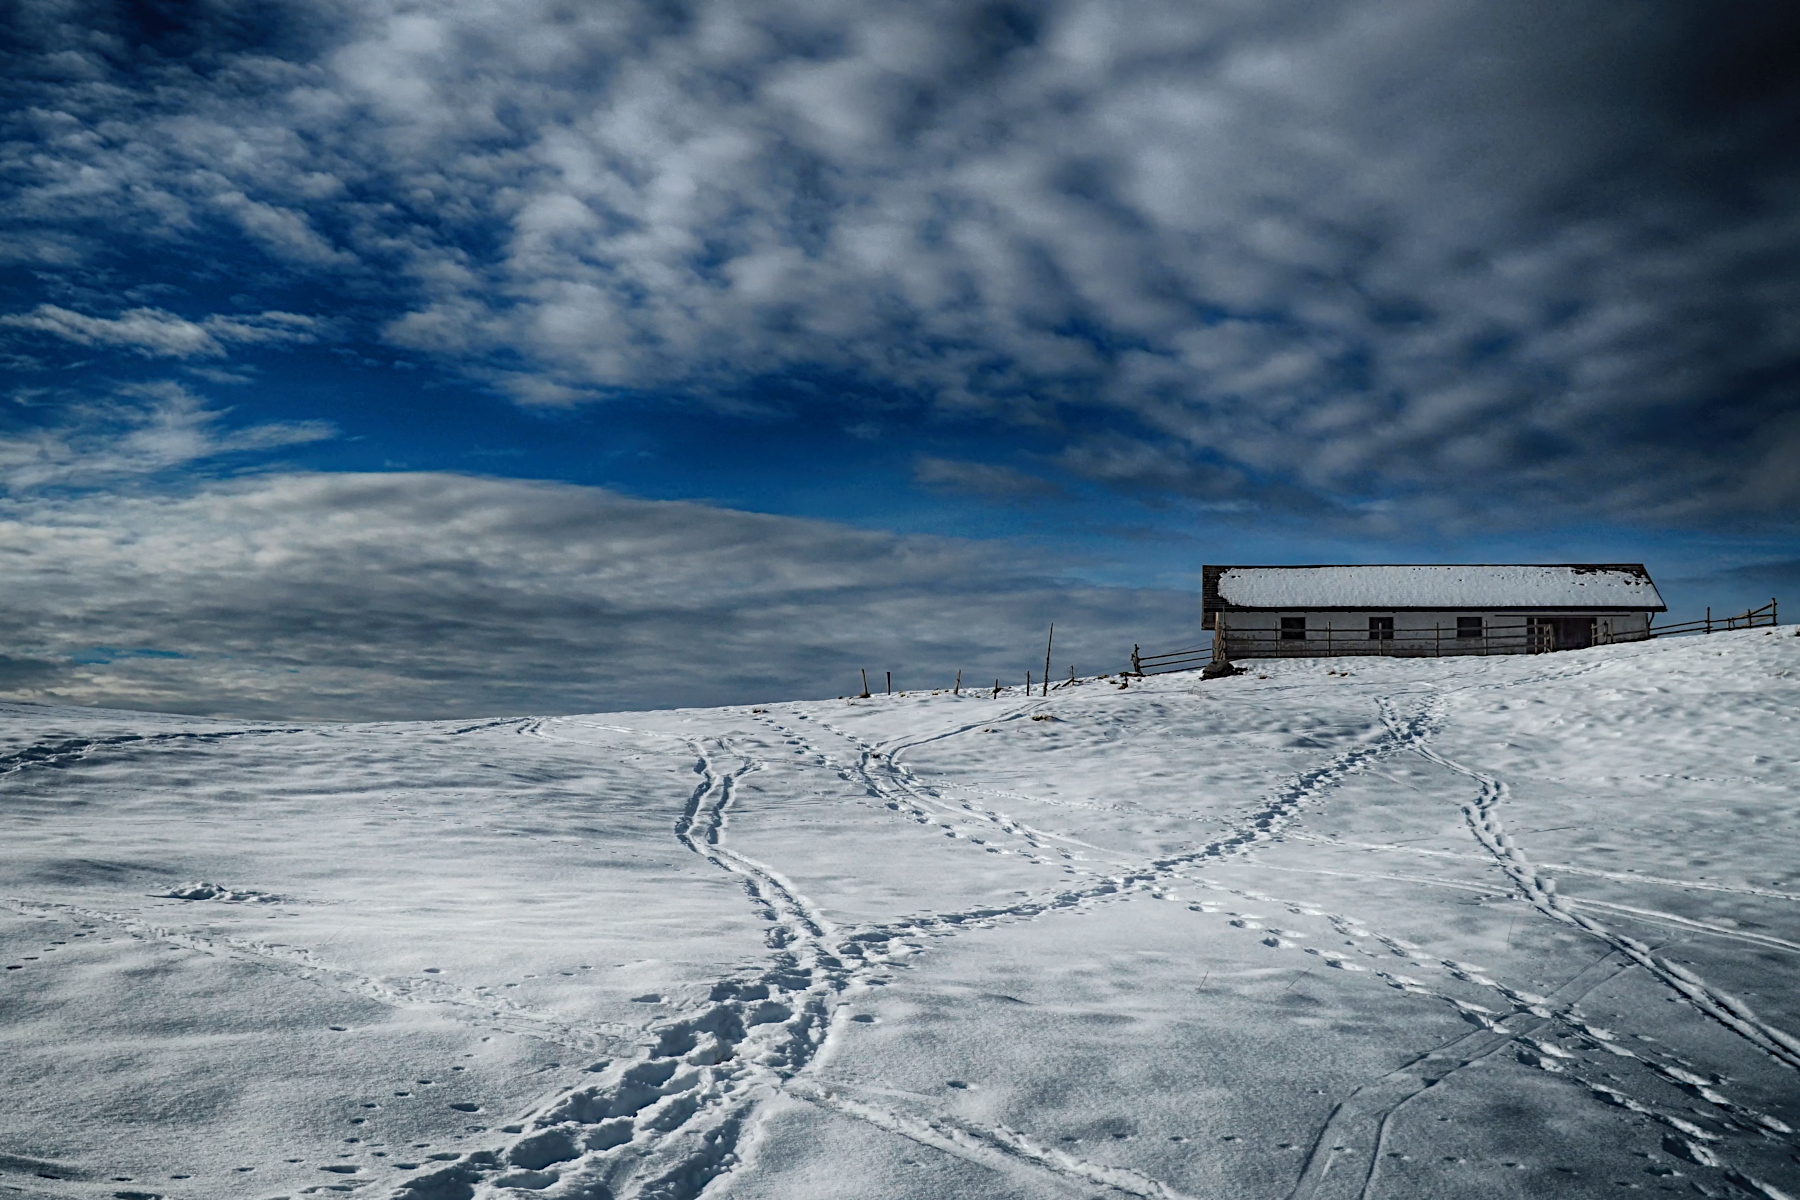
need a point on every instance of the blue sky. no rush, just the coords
(1070, 301)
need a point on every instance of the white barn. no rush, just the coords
(1293, 612)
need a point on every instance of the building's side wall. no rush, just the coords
(1259, 634)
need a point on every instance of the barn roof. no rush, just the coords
(1486, 586)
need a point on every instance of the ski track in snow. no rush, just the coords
(1527, 1024)
(1539, 890)
(1534, 1028)
(1696, 885)
(991, 1146)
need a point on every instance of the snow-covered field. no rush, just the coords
(1503, 927)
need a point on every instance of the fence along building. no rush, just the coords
(1295, 612)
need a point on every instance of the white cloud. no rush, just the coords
(155, 332)
(1331, 243)
(150, 428)
(411, 595)
(286, 233)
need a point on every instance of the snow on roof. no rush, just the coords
(1612, 586)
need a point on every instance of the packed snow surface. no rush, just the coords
(1438, 587)
(1379, 928)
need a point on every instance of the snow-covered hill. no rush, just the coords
(1504, 927)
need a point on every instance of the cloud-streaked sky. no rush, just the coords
(342, 594)
(1095, 291)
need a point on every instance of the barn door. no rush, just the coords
(1574, 633)
(1558, 633)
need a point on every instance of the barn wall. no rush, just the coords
(1258, 634)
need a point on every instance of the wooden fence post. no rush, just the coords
(890, 683)
(957, 691)
(1051, 642)
(865, 691)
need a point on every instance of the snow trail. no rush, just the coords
(1482, 816)
(1357, 1127)
(987, 1145)
(1697, 885)
(664, 1125)
(1261, 825)
(884, 778)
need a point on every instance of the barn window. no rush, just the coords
(1293, 629)
(1469, 627)
(1381, 628)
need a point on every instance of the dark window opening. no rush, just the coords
(1381, 628)
(1293, 629)
(1469, 627)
